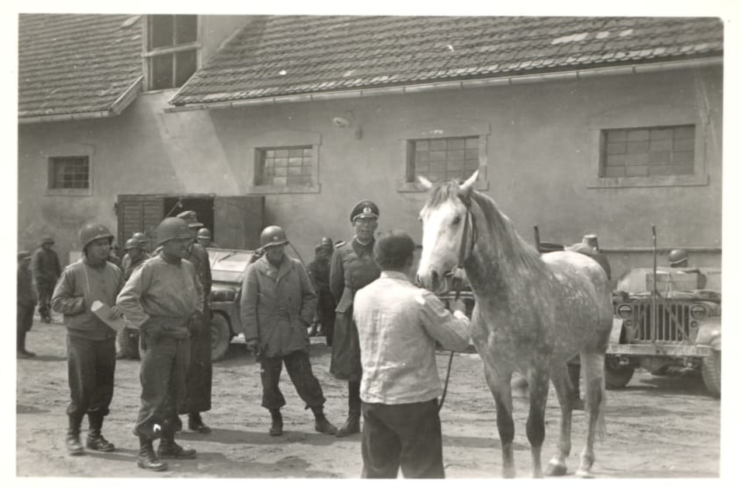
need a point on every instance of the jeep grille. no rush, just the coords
(672, 322)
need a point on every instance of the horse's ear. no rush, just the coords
(427, 184)
(468, 185)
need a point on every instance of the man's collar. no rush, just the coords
(395, 275)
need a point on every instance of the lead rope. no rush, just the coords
(457, 285)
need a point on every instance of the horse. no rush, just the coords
(532, 315)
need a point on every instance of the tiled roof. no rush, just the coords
(291, 55)
(76, 64)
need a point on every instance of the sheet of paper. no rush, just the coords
(102, 311)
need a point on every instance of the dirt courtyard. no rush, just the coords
(658, 427)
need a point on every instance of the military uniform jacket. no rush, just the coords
(277, 306)
(45, 266)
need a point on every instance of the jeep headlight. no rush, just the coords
(698, 312)
(624, 311)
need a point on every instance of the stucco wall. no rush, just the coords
(540, 153)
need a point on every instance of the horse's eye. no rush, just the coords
(457, 220)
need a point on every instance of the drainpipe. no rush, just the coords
(461, 85)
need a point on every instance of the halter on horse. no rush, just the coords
(532, 314)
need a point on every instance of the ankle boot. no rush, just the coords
(95, 439)
(147, 459)
(352, 424)
(321, 424)
(276, 428)
(169, 449)
(74, 446)
(195, 423)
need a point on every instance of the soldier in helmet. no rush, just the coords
(200, 371)
(353, 267)
(45, 270)
(277, 305)
(91, 346)
(128, 341)
(318, 271)
(161, 297)
(678, 258)
(204, 238)
(139, 241)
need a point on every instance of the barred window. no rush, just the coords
(654, 151)
(284, 166)
(172, 50)
(69, 172)
(442, 159)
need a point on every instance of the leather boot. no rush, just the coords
(74, 446)
(574, 377)
(352, 424)
(169, 449)
(195, 423)
(147, 459)
(95, 439)
(276, 428)
(321, 424)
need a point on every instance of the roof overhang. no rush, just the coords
(118, 106)
(461, 84)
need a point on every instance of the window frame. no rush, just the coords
(148, 55)
(70, 150)
(280, 140)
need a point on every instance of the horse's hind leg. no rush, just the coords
(538, 382)
(594, 363)
(501, 389)
(564, 390)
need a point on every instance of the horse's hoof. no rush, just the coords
(584, 473)
(555, 469)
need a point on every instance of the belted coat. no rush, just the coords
(277, 306)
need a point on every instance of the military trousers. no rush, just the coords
(303, 379)
(407, 436)
(200, 368)
(91, 367)
(24, 320)
(163, 373)
(44, 291)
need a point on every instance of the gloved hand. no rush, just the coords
(253, 346)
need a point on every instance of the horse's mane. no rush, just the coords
(515, 248)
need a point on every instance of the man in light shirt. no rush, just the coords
(398, 325)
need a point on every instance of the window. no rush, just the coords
(172, 50)
(69, 173)
(442, 159)
(643, 152)
(284, 166)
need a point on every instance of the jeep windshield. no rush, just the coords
(228, 265)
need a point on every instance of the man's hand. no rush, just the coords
(115, 313)
(253, 346)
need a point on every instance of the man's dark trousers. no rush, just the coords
(406, 436)
(303, 379)
(163, 373)
(44, 290)
(24, 324)
(91, 366)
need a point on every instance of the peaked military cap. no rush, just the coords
(191, 218)
(363, 210)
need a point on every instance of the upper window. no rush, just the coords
(442, 159)
(69, 173)
(655, 151)
(284, 166)
(172, 50)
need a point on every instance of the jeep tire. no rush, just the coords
(617, 376)
(711, 373)
(221, 336)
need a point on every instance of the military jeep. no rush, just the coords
(228, 267)
(666, 321)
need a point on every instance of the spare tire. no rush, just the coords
(711, 373)
(617, 376)
(221, 336)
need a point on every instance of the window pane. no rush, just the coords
(186, 29)
(161, 72)
(444, 158)
(160, 31)
(292, 166)
(69, 173)
(185, 66)
(650, 151)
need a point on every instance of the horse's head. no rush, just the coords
(445, 223)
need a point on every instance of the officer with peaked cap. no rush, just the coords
(45, 270)
(161, 298)
(352, 268)
(200, 372)
(91, 344)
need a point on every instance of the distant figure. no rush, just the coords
(319, 273)
(113, 255)
(204, 238)
(141, 242)
(26, 302)
(45, 270)
(678, 258)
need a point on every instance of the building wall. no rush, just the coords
(540, 156)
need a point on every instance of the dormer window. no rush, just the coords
(171, 50)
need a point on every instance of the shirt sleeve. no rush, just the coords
(453, 332)
(248, 304)
(129, 300)
(337, 276)
(63, 299)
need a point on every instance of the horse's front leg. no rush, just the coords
(564, 390)
(500, 387)
(538, 380)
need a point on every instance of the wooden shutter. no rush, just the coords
(139, 213)
(238, 221)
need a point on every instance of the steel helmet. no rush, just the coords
(131, 244)
(204, 232)
(140, 237)
(172, 228)
(92, 232)
(678, 256)
(273, 236)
